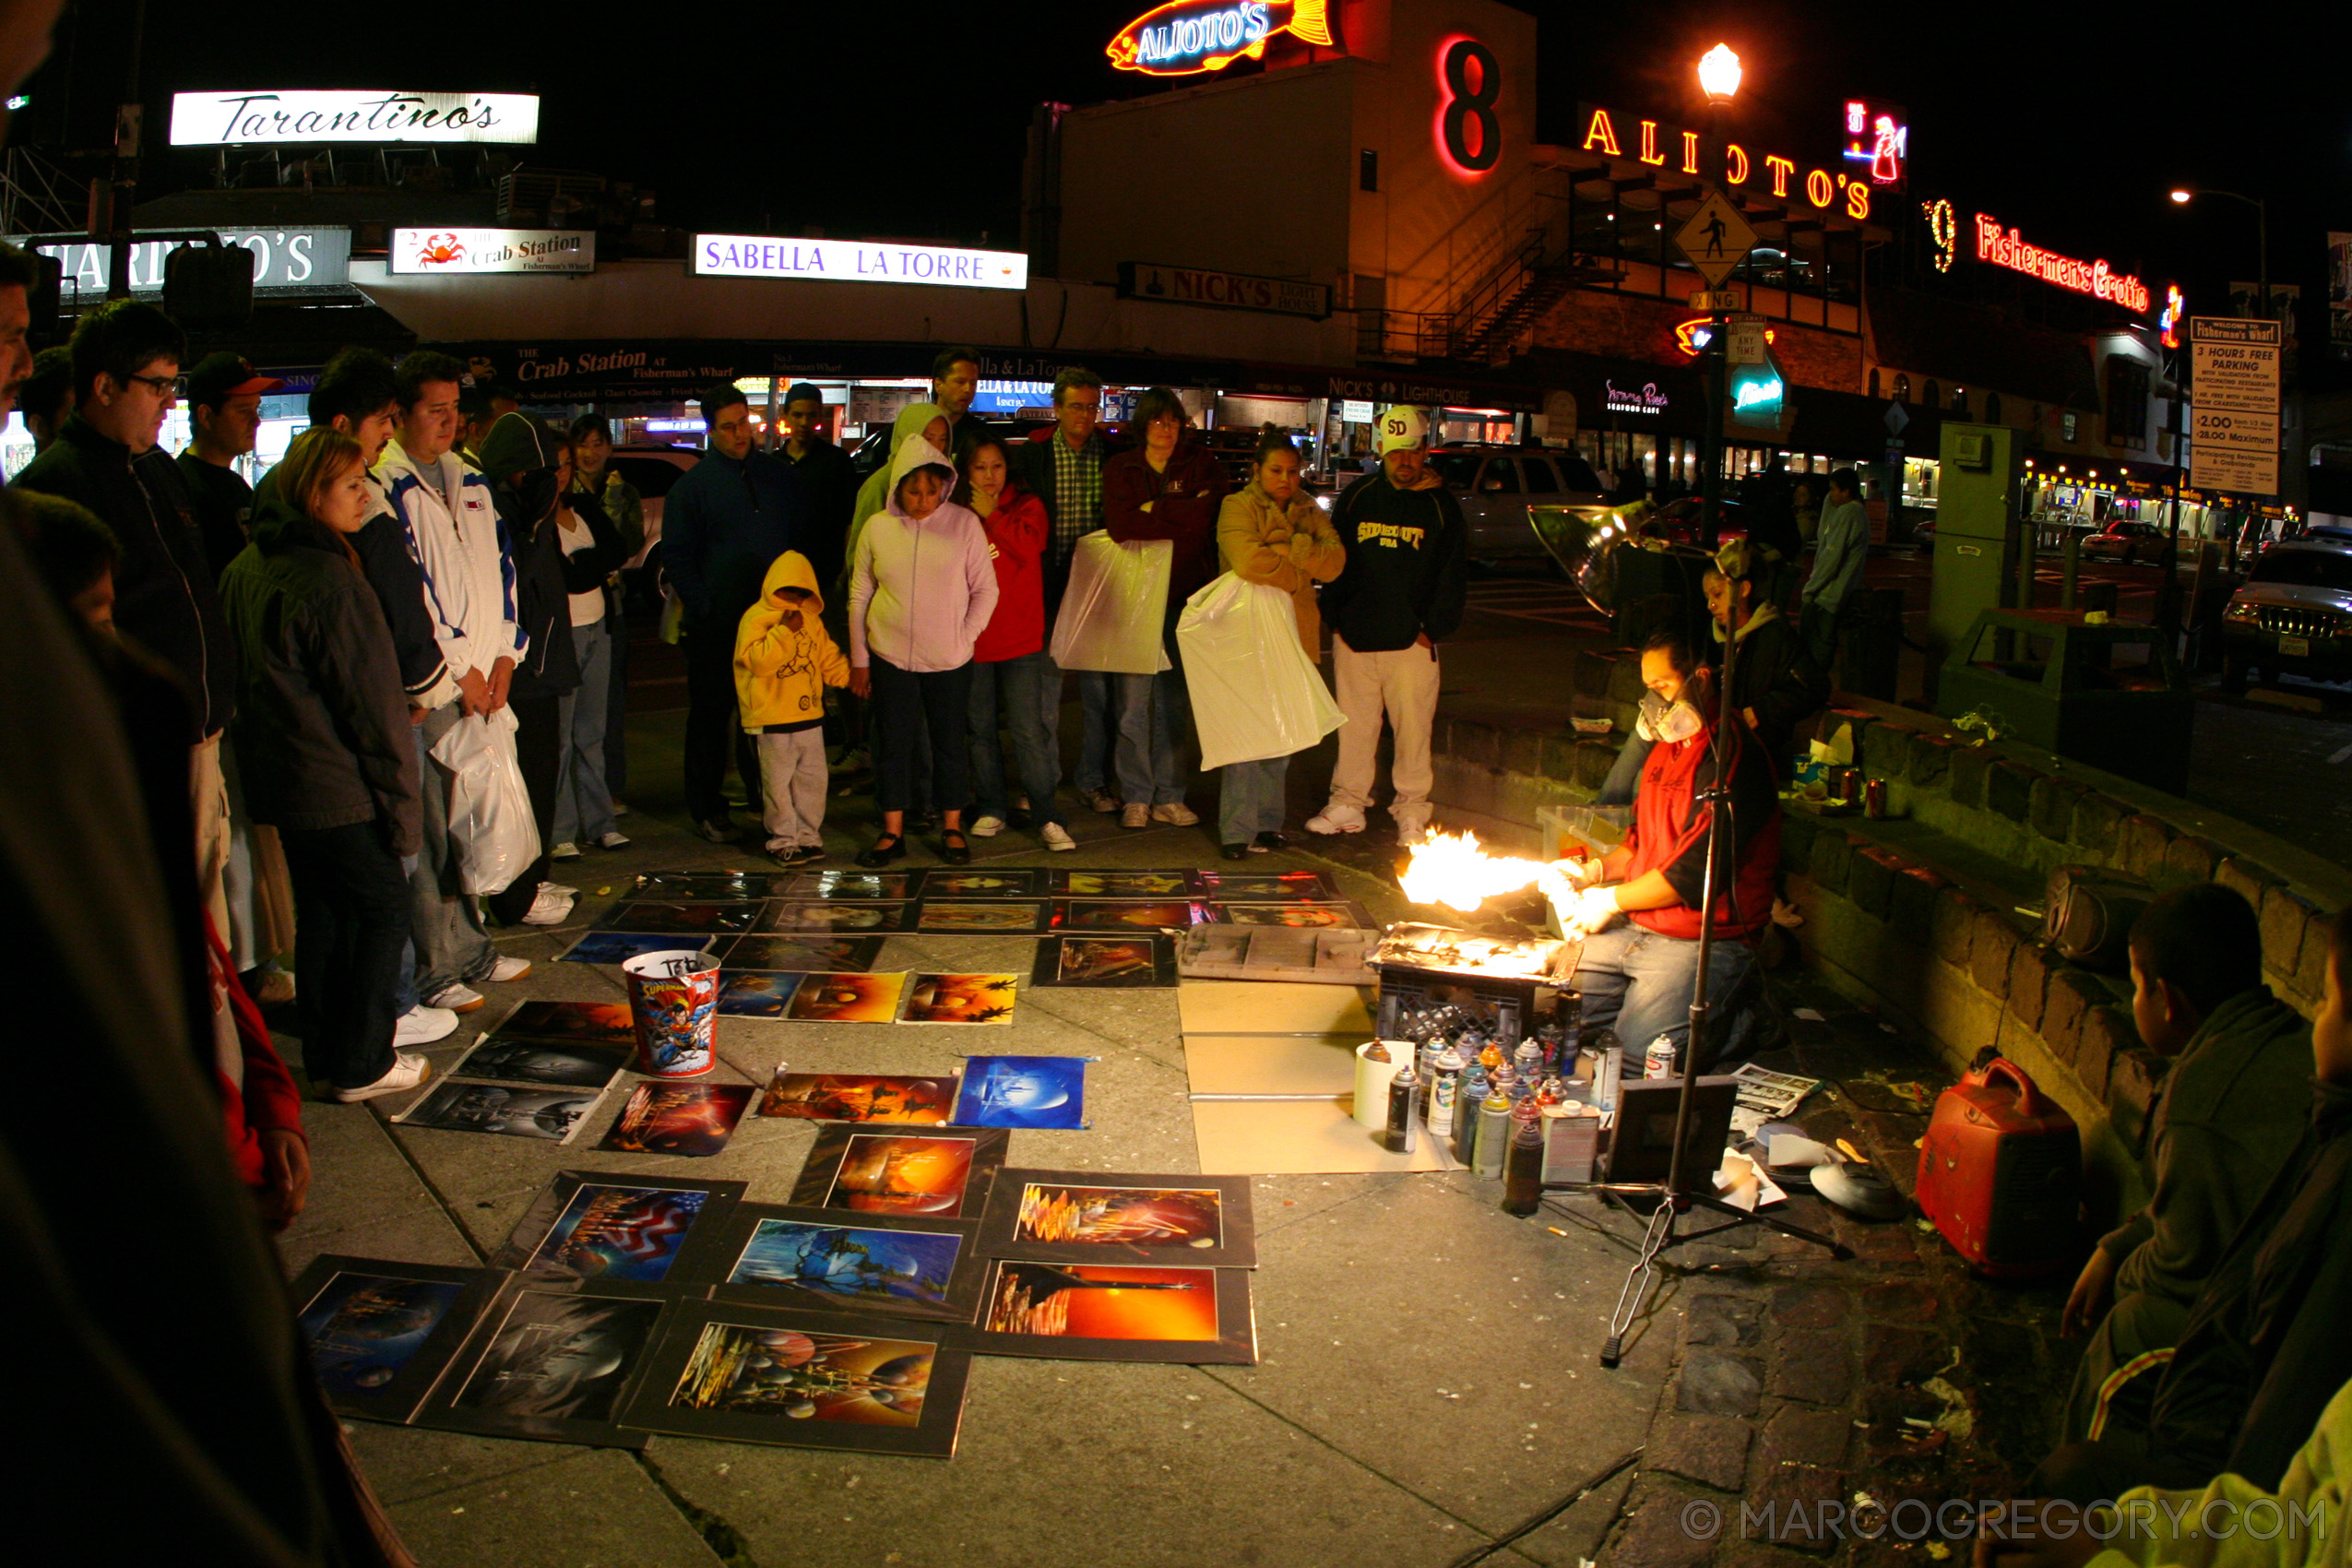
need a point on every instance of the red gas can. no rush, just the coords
(1998, 1172)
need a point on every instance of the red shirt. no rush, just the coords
(1670, 836)
(1185, 499)
(1016, 534)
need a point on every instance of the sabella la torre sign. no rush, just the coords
(855, 261)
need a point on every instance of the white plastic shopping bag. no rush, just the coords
(491, 829)
(1112, 610)
(1254, 693)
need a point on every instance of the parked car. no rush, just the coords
(2125, 541)
(1498, 488)
(2294, 614)
(653, 469)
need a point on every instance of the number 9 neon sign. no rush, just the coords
(1469, 79)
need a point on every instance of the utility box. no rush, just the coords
(1980, 488)
(2111, 695)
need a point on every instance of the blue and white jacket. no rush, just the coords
(467, 564)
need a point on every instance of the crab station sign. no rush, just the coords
(1654, 142)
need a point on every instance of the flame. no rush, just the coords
(1450, 868)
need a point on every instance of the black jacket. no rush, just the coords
(383, 549)
(2267, 1345)
(223, 504)
(1408, 572)
(322, 733)
(1775, 676)
(522, 458)
(829, 485)
(164, 598)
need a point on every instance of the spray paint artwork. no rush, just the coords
(961, 999)
(1088, 1301)
(364, 1328)
(841, 1097)
(1149, 1217)
(845, 1265)
(889, 1174)
(619, 1232)
(742, 1370)
(1023, 1091)
(558, 1357)
(695, 1120)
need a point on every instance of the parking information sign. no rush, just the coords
(2234, 445)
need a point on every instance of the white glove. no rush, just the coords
(1594, 910)
(1560, 879)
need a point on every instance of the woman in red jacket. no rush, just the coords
(1166, 488)
(1009, 666)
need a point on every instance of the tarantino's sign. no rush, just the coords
(285, 260)
(429, 250)
(263, 118)
(1234, 290)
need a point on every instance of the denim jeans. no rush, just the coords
(1625, 779)
(1098, 728)
(1249, 797)
(1150, 729)
(452, 947)
(583, 806)
(1010, 687)
(712, 733)
(616, 697)
(1639, 983)
(354, 912)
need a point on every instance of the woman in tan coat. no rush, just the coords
(1271, 531)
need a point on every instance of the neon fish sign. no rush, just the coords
(2092, 278)
(1186, 37)
(2168, 323)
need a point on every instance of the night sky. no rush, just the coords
(908, 119)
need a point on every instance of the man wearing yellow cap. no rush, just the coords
(1399, 595)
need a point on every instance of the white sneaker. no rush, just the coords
(551, 907)
(567, 852)
(559, 887)
(421, 1026)
(506, 970)
(1057, 837)
(1175, 812)
(455, 998)
(616, 839)
(406, 1073)
(1410, 832)
(1135, 814)
(987, 828)
(1337, 818)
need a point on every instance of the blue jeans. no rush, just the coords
(583, 805)
(1011, 688)
(445, 922)
(1097, 704)
(1639, 983)
(1625, 779)
(1149, 728)
(1250, 798)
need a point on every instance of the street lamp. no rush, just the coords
(2182, 194)
(1720, 74)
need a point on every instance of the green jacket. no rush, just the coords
(2231, 1112)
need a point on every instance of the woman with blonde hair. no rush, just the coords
(322, 739)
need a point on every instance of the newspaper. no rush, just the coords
(1775, 1094)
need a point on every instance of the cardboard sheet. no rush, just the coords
(1272, 1137)
(1293, 1066)
(1269, 1008)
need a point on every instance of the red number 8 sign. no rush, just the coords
(1468, 133)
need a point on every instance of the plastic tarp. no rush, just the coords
(1112, 610)
(492, 831)
(1254, 693)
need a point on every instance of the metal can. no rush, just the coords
(1659, 1061)
(1874, 798)
(1845, 785)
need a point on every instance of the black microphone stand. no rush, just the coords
(1675, 1197)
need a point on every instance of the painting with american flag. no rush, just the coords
(606, 1229)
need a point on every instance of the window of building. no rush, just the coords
(1368, 169)
(1960, 401)
(2127, 402)
(1992, 408)
(2066, 426)
(1875, 381)
(1901, 386)
(1934, 399)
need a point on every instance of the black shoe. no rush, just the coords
(958, 853)
(1265, 842)
(888, 848)
(718, 830)
(807, 855)
(1236, 852)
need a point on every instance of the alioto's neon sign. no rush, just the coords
(1187, 37)
(1663, 146)
(2092, 278)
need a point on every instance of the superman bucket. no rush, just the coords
(674, 997)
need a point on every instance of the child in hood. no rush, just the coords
(784, 659)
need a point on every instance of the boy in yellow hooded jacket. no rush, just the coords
(784, 659)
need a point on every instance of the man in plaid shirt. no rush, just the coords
(1065, 472)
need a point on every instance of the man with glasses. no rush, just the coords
(1065, 472)
(126, 377)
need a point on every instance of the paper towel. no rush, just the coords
(1373, 1079)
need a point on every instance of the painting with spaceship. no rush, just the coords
(808, 1380)
(812, 1261)
(380, 1333)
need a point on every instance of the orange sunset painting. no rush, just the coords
(882, 1174)
(1084, 1301)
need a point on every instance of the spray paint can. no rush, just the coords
(1506, 1021)
(1605, 1077)
(1528, 1061)
(1404, 1123)
(1523, 1163)
(1445, 1085)
(1659, 1061)
(1425, 1071)
(1495, 1135)
(1467, 1100)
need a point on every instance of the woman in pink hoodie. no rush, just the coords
(921, 590)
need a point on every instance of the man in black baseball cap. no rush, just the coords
(224, 407)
